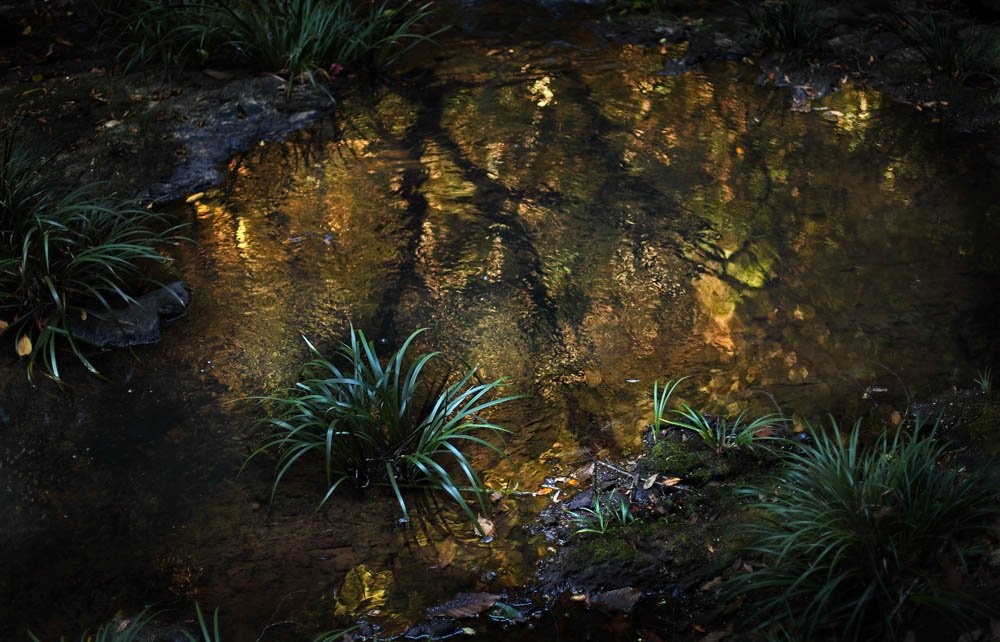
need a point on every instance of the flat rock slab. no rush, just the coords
(138, 323)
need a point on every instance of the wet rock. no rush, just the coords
(138, 323)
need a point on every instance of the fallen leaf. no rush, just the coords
(622, 599)
(464, 605)
(649, 482)
(496, 496)
(83, 314)
(711, 584)
(895, 417)
(194, 197)
(545, 490)
(485, 526)
(578, 598)
(63, 41)
(446, 554)
(218, 75)
(714, 636)
(3, 326)
(739, 151)
(673, 481)
(23, 346)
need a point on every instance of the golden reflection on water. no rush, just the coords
(588, 229)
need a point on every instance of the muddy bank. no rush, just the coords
(859, 45)
(154, 133)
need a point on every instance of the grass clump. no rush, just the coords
(948, 49)
(602, 517)
(863, 540)
(785, 25)
(299, 39)
(65, 254)
(387, 424)
(114, 631)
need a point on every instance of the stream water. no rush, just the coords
(564, 211)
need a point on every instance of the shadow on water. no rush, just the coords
(563, 213)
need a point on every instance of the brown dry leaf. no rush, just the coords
(622, 599)
(673, 481)
(584, 473)
(711, 584)
(895, 417)
(3, 326)
(464, 605)
(715, 636)
(486, 526)
(446, 554)
(218, 75)
(23, 346)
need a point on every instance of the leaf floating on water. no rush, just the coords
(622, 599)
(23, 346)
(464, 605)
(446, 554)
(485, 526)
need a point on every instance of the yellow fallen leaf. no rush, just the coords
(673, 481)
(23, 346)
(545, 490)
(194, 197)
(446, 553)
(895, 417)
(3, 326)
(83, 314)
(739, 151)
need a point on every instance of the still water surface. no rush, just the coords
(562, 211)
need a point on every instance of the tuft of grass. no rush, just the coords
(985, 381)
(721, 436)
(309, 40)
(860, 540)
(385, 424)
(602, 517)
(207, 634)
(661, 397)
(66, 253)
(114, 631)
(785, 25)
(946, 48)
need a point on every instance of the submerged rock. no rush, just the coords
(137, 323)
